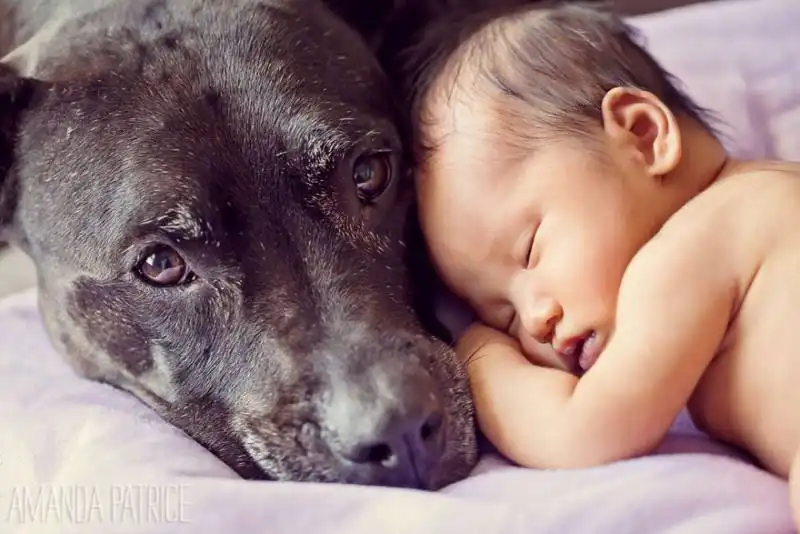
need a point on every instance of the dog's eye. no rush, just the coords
(163, 266)
(372, 174)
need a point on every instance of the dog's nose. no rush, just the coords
(402, 444)
(395, 437)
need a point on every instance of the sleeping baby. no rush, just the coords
(621, 264)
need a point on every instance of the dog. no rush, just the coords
(215, 194)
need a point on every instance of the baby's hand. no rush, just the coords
(477, 338)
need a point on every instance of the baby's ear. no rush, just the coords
(639, 120)
(16, 95)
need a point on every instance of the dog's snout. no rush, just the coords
(394, 437)
(402, 445)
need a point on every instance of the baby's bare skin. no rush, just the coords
(748, 395)
(621, 264)
(659, 275)
(735, 256)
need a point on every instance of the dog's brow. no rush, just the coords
(322, 145)
(181, 221)
(320, 138)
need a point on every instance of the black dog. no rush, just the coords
(214, 193)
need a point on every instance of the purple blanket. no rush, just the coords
(80, 456)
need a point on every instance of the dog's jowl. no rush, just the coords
(214, 194)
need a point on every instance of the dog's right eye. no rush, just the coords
(163, 266)
(372, 175)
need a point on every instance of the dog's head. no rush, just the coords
(215, 199)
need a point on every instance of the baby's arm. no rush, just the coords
(674, 307)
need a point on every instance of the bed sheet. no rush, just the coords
(77, 456)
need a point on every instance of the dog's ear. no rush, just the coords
(388, 26)
(369, 18)
(16, 95)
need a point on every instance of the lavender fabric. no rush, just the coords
(77, 456)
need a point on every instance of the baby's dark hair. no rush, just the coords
(545, 69)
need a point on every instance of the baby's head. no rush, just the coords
(550, 148)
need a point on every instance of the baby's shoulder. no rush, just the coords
(761, 199)
(755, 200)
(739, 221)
(754, 177)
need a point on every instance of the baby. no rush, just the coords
(622, 265)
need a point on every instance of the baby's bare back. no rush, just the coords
(750, 393)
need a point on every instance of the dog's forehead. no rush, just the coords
(187, 151)
(266, 81)
(283, 42)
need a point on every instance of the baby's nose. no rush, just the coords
(541, 319)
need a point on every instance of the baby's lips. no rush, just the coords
(567, 353)
(566, 348)
(590, 352)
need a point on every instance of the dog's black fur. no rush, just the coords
(228, 136)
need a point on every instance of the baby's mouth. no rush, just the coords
(590, 351)
(580, 353)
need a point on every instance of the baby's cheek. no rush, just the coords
(596, 295)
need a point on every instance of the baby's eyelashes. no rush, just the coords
(529, 256)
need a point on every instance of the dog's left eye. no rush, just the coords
(372, 174)
(163, 266)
